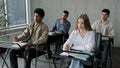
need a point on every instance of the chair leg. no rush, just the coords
(110, 56)
(5, 58)
(54, 59)
(36, 58)
(4, 61)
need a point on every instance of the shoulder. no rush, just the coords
(110, 23)
(74, 31)
(44, 25)
(58, 19)
(31, 25)
(91, 32)
(68, 21)
(97, 22)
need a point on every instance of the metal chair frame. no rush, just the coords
(93, 59)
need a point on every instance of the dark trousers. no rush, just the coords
(57, 39)
(28, 55)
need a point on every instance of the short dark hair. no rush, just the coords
(40, 12)
(106, 11)
(66, 12)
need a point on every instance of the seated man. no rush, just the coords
(36, 34)
(61, 25)
(105, 27)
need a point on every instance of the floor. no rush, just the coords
(44, 63)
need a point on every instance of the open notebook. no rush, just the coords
(16, 45)
(78, 56)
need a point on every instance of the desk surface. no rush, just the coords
(12, 45)
(55, 33)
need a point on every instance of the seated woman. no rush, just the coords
(82, 38)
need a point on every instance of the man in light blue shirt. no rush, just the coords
(62, 24)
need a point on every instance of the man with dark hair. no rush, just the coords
(35, 34)
(40, 12)
(105, 27)
(66, 12)
(62, 24)
(107, 11)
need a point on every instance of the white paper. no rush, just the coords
(16, 46)
(64, 54)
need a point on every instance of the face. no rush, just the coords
(81, 24)
(104, 16)
(37, 17)
(64, 16)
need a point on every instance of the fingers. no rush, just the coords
(67, 48)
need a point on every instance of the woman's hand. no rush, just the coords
(66, 48)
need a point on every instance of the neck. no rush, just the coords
(104, 20)
(82, 30)
(38, 22)
(62, 21)
(82, 33)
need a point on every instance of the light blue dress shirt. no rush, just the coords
(61, 27)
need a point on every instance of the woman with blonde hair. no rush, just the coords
(82, 38)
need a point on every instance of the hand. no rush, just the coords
(67, 48)
(15, 39)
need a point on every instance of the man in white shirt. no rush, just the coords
(105, 27)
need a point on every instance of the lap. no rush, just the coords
(30, 52)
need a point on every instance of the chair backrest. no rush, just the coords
(98, 38)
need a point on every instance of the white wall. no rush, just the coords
(54, 8)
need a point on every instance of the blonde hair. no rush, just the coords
(86, 22)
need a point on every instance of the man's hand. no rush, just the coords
(15, 39)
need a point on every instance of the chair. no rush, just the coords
(37, 55)
(91, 59)
(2, 51)
(107, 43)
(44, 52)
(55, 39)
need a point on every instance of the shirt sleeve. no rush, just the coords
(66, 27)
(94, 26)
(25, 34)
(69, 41)
(43, 37)
(91, 42)
(111, 31)
(55, 25)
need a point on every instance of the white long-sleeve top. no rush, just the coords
(75, 41)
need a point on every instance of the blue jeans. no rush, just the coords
(105, 50)
(76, 64)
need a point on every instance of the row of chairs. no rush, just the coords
(94, 60)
